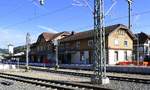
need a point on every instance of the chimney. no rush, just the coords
(72, 33)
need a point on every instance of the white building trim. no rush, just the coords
(121, 56)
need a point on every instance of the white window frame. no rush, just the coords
(90, 43)
(116, 42)
(38, 49)
(67, 44)
(116, 56)
(125, 55)
(126, 43)
(77, 44)
(121, 32)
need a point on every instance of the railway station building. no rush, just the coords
(42, 51)
(78, 48)
(141, 46)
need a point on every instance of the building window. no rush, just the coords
(67, 45)
(147, 42)
(121, 32)
(48, 47)
(41, 48)
(90, 43)
(125, 55)
(125, 43)
(38, 49)
(61, 45)
(78, 44)
(146, 49)
(116, 42)
(44, 48)
(116, 56)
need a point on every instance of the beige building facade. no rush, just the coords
(78, 48)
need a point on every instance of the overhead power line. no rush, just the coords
(13, 11)
(118, 18)
(135, 14)
(67, 7)
(37, 17)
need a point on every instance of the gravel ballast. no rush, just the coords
(123, 85)
(19, 85)
(114, 84)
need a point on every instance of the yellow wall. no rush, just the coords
(83, 44)
(121, 38)
(111, 43)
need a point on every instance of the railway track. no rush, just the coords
(119, 78)
(57, 85)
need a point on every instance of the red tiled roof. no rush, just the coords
(64, 33)
(50, 36)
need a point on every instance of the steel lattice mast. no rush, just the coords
(27, 50)
(99, 41)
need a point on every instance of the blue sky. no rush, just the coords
(18, 17)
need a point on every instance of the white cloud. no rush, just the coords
(136, 19)
(18, 37)
(9, 36)
(136, 22)
(47, 29)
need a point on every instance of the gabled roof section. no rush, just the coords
(61, 33)
(47, 36)
(142, 37)
(111, 28)
(33, 45)
(90, 33)
(80, 35)
(10, 45)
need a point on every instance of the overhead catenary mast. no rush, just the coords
(129, 13)
(41, 2)
(130, 26)
(99, 47)
(27, 50)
